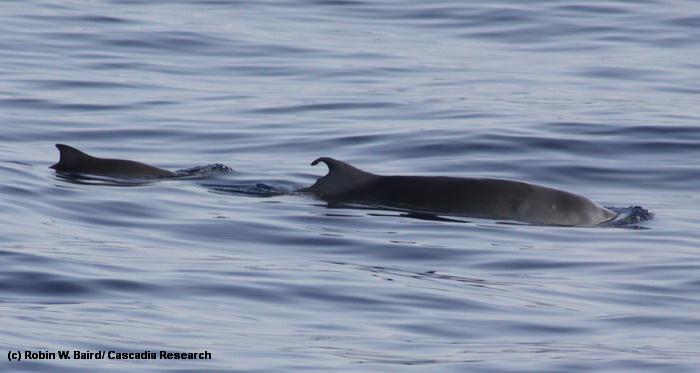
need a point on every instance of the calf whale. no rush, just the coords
(474, 197)
(73, 160)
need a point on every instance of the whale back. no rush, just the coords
(74, 160)
(474, 197)
(341, 179)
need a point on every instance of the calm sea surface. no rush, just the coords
(601, 98)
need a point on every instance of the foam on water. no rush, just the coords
(596, 98)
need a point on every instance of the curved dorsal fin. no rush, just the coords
(69, 157)
(341, 178)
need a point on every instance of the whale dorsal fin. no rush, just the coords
(70, 157)
(341, 178)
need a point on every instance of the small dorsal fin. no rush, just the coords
(341, 178)
(333, 164)
(69, 157)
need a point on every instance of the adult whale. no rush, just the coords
(73, 160)
(484, 198)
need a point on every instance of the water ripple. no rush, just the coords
(595, 98)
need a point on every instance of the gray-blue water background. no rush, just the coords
(597, 97)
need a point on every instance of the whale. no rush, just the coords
(470, 197)
(73, 160)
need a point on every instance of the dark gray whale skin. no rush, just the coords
(74, 161)
(473, 197)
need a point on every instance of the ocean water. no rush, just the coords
(597, 97)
